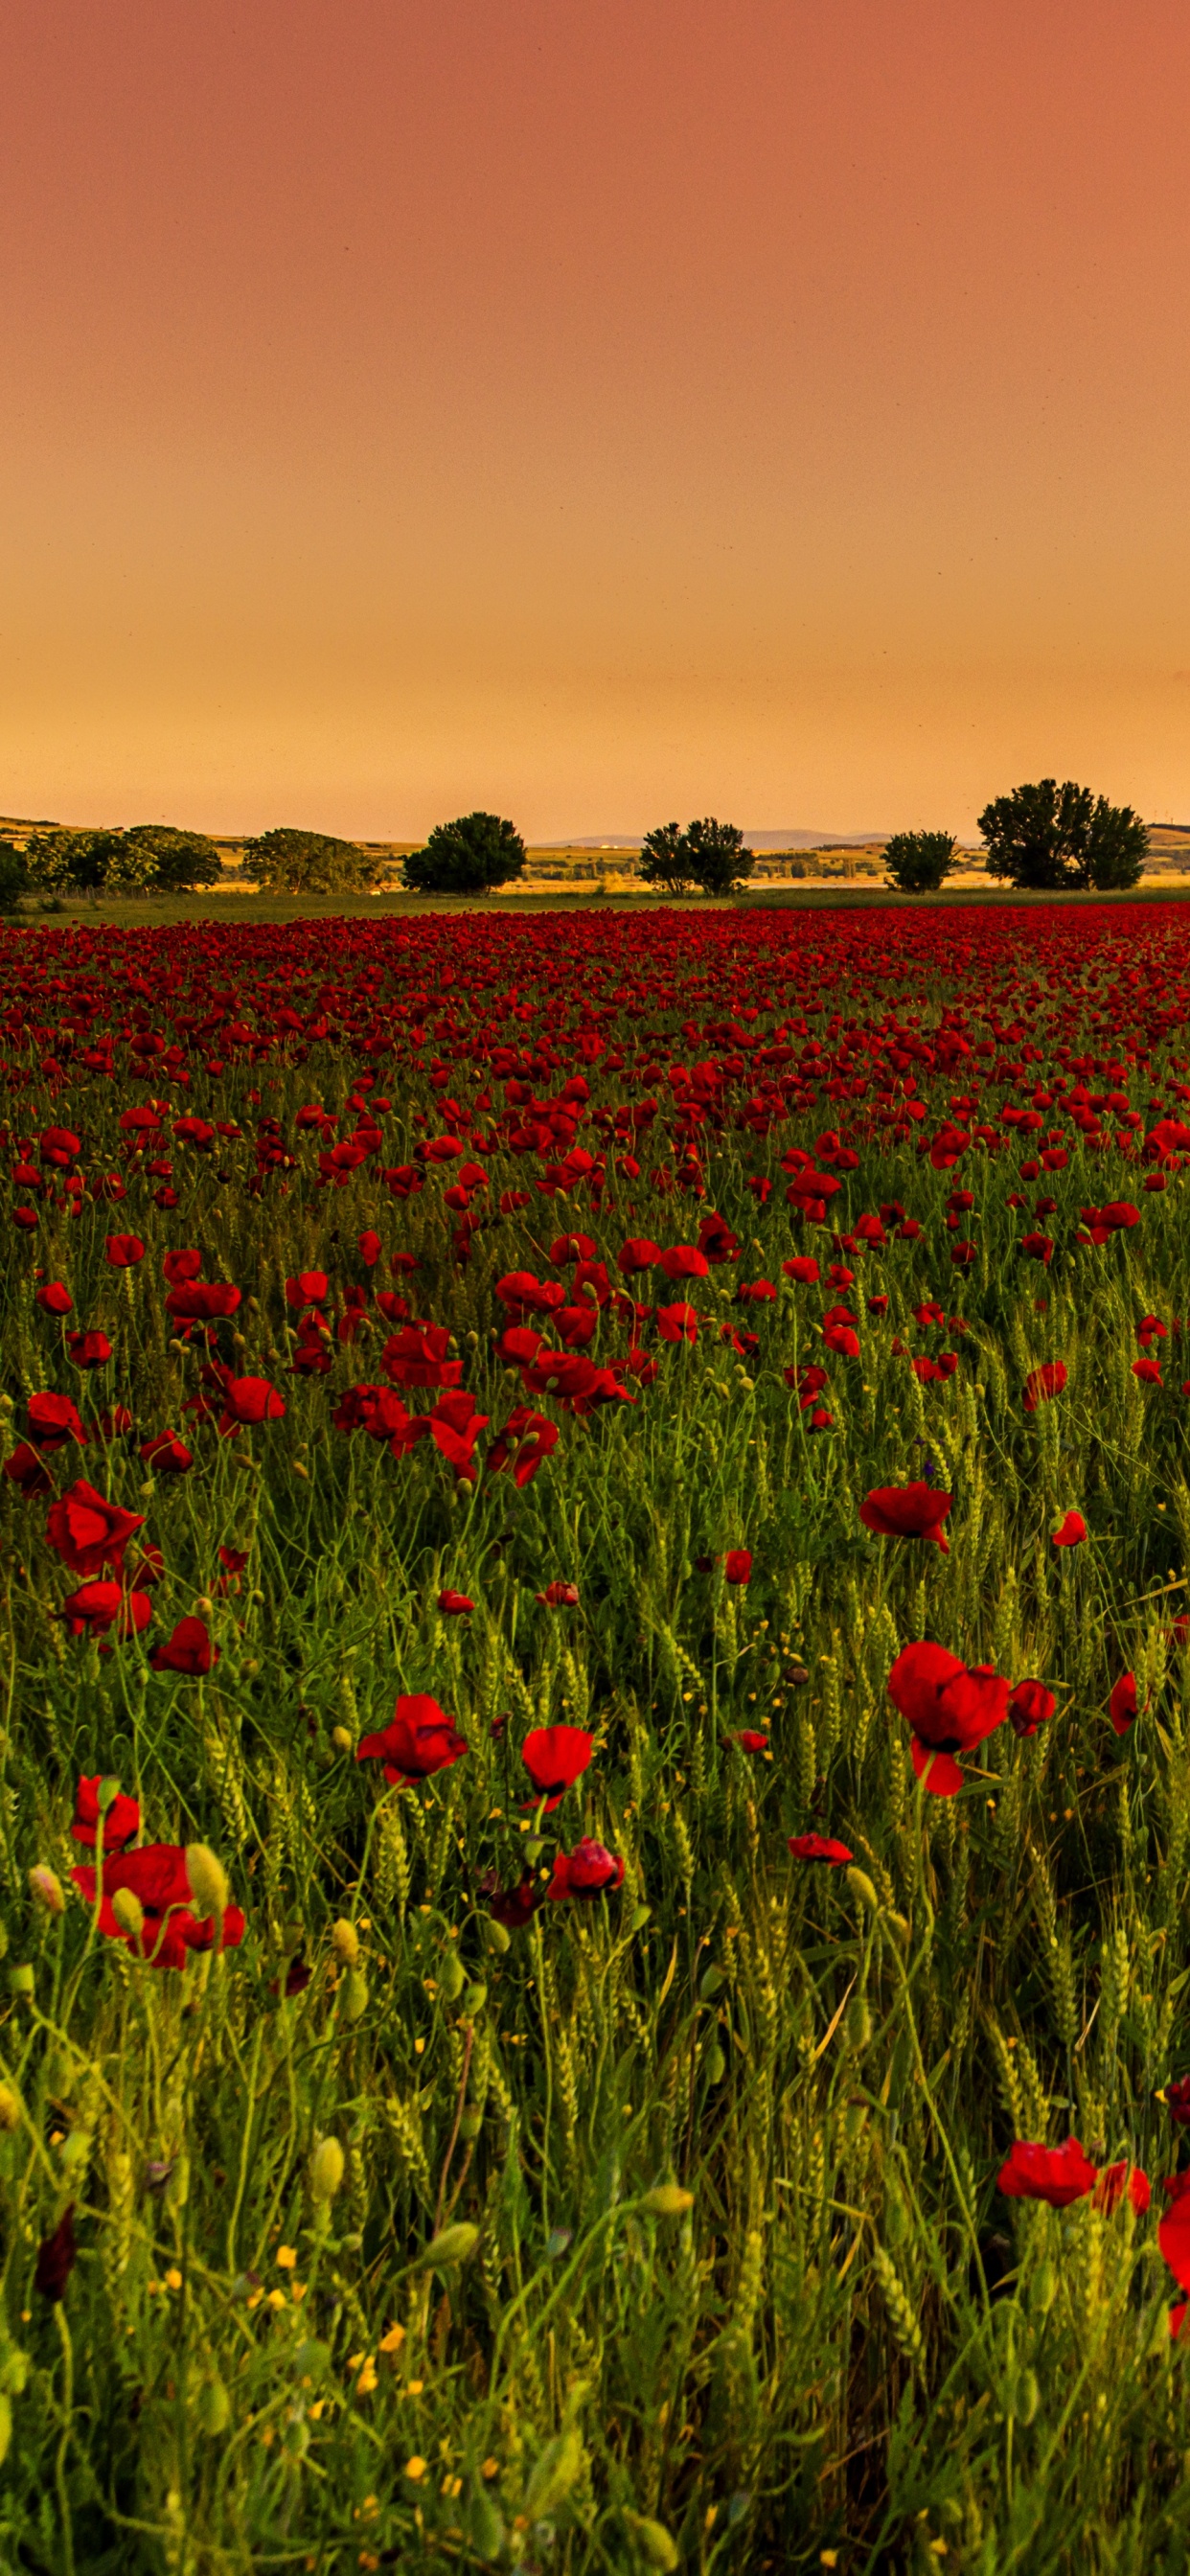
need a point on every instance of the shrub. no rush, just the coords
(917, 862)
(289, 861)
(1052, 838)
(470, 855)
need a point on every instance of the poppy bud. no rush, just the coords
(858, 1880)
(10, 2108)
(474, 1998)
(129, 1912)
(668, 2200)
(1044, 2287)
(208, 1879)
(451, 1978)
(472, 2121)
(1026, 2397)
(47, 1888)
(451, 2244)
(214, 2406)
(342, 1739)
(497, 1936)
(22, 1979)
(326, 2169)
(355, 1994)
(716, 2064)
(345, 1943)
(107, 1794)
(859, 2019)
(5, 2424)
(654, 2543)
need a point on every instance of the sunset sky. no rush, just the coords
(598, 410)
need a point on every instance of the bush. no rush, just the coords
(470, 855)
(289, 861)
(1050, 839)
(665, 859)
(14, 876)
(917, 862)
(177, 861)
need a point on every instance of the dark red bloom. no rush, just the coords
(24, 1468)
(1057, 2175)
(121, 1824)
(1072, 1532)
(1118, 2179)
(454, 1605)
(1173, 2229)
(181, 1266)
(166, 1454)
(1176, 2097)
(749, 1740)
(588, 1871)
(512, 1906)
(202, 1301)
(158, 1877)
(89, 1350)
(524, 1444)
(558, 1596)
(683, 1261)
(123, 1251)
(188, 1650)
(950, 1708)
(1030, 1705)
(1043, 1383)
(819, 1847)
(907, 1511)
(678, 1323)
(87, 1532)
(555, 1757)
(96, 1607)
(56, 2257)
(1122, 1704)
(308, 1288)
(421, 1739)
(737, 1565)
(639, 1253)
(416, 1356)
(248, 1400)
(54, 1299)
(803, 1268)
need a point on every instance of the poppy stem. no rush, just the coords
(64, 2443)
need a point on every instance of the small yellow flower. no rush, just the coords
(415, 2387)
(276, 2298)
(286, 2258)
(490, 2469)
(393, 2340)
(367, 2380)
(297, 2291)
(416, 2467)
(173, 2278)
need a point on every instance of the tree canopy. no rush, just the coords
(665, 859)
(918, 862)
(468, 856)
(1053, 838)
(708, 854)
(290, 861)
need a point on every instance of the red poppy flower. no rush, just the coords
(907, 1511)
(524, 1444)
(555, 1757)
(1117, 2179)
(158, 1876)
(24, 1469)
(1072, 1532)
(1121, 1706)
(804, 1269)
(1173, 2229)
(512, 1906)
(678, 1323)
(202, 1301)
(1030, 1705)
(181, 1266)
(639, 1253)
(89, 1350)
(123, 1251)
(950, 1708)
(1148, 1371)
(421, 1739)
(737, 1565)
(308, 1288)
(1043, 1383)
(166, 1454)
(683, 1261)
(1176, 2097)
(87, 1532)
(369, 1247)
(749, 1741)
(96, 1607)
(819, 1847)
(188, 1650)
(454, 1605)
(248, 1400)
(121, 1823)
(54, 1299)
(558, 1596)
(1057, 2175)
(1039, 1247)
(416, 1356)
(588, 1871)
(56, 2258)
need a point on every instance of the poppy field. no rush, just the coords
(594, 1792)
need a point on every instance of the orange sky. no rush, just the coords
(595, 409)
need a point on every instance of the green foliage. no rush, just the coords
(175, 862)
(919, 862)
(14, 876)
(469, 856)
(709, 855)
(151, 858)
(665, 859)
(1047, 838)
(289, 861)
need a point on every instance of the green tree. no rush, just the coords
(917, 862)
(65, 862)
(1053, 838)
(665, 859)
(468, 856)
(289, 861)
(716, 857)
(176, 861)
(14, 876)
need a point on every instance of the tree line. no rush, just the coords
(1040, 837)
